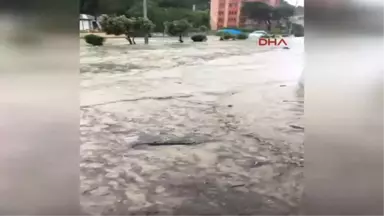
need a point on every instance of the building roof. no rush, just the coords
(86, 17)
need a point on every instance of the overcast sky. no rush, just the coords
(293, 2)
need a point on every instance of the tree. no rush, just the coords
(141, 26)
(283, 12)
(159, 11)
(94, 7)
(177, 28)
(130, 27)
(203, 28)
(159, 15)
(89, 7)
(97, 7)
(259, 11)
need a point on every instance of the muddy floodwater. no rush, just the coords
(193, 128)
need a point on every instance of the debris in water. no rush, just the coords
(259, 164)
(230, 105)
(238, 185)
(296, 127)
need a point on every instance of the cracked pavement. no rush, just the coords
(204, 128)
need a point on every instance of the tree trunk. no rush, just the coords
(268, 23)
(133, 40)
(181, 38)
(129, 39)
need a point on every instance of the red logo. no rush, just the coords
(270, 41)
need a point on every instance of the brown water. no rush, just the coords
(205, 128)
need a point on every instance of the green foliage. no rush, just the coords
(257, 11)
(267, 36)
(297, 30)
(161, 15)
(203, 28)
(120, 6)
(262, 12)
(270, 36)
(194, 30)
(159, 11)
(199, 38)
(228, 36)
(131, 27)
(94, 40)
(219, 33)
(242, 36)
(278, 31)
(283, 12)
(177, 27)
(200, 4)
(115, 25)
(143, 25)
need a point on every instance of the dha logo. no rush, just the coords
(274, 41)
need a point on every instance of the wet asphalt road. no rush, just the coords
(205, 128)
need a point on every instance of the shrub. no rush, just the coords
(298, 30)
(194, 30)
(228, 36)
(277, 31)
(266, 36)
(130, 27)
(242, 36)
(199, 38)
(219, 33)
(94, 40)
(299, 34)
(178, 28)
(203, 28)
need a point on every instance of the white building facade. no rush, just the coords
(88, 23)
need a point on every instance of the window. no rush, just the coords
(231, 19)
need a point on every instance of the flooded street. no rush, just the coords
(193, 128)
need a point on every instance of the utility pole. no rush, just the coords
(145, 17)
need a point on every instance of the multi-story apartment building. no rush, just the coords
(227, 13)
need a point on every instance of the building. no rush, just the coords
(227, 13)
(88, 23)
